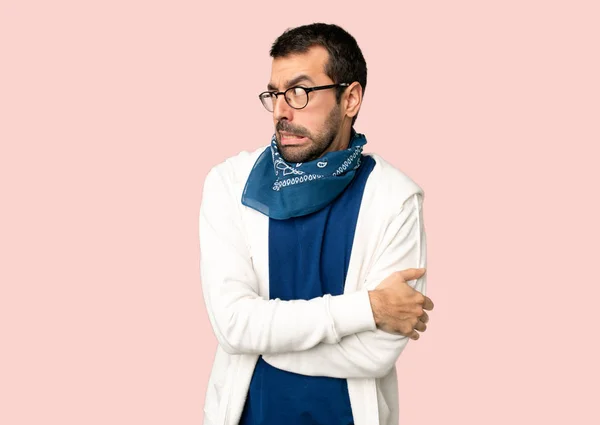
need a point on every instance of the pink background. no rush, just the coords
(112, 113)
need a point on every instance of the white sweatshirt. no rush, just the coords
(331, 336)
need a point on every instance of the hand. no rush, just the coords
(397, 307)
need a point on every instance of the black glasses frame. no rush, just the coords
(306, 89)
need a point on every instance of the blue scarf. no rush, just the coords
(282, 190)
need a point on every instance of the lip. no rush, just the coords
(288, 139)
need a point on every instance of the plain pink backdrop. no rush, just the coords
(112, 112)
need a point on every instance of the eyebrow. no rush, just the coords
(292, 82)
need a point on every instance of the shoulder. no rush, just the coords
(234, 171)
(389, 187)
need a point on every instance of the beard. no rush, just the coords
(318, 143)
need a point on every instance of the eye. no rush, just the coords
(298, 91)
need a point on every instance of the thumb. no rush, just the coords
(411, 274)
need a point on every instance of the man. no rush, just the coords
(307, 251)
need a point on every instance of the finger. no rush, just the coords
(424, 317)
(411, 274)
(414, 335)
(420, 326)
(427, 304)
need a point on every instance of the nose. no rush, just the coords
(281, 109)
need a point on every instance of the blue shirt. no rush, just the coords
(308, 258)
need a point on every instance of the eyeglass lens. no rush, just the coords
(296, 97)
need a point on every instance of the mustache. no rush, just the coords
(288, 128)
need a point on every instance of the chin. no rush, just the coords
(291, 154)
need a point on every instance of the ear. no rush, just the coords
(353, 99)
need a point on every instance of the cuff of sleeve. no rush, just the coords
(352, 313)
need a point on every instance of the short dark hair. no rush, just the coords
(346, 62)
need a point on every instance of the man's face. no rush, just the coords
(305, 134)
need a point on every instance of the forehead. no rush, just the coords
(311, 63)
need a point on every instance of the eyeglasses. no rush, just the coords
(296, 97)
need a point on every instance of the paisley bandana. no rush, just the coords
(282, 190)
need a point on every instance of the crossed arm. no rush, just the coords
(327, 336)
(372, 353)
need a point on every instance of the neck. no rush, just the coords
(341, 141)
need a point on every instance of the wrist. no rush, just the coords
(375, 300)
